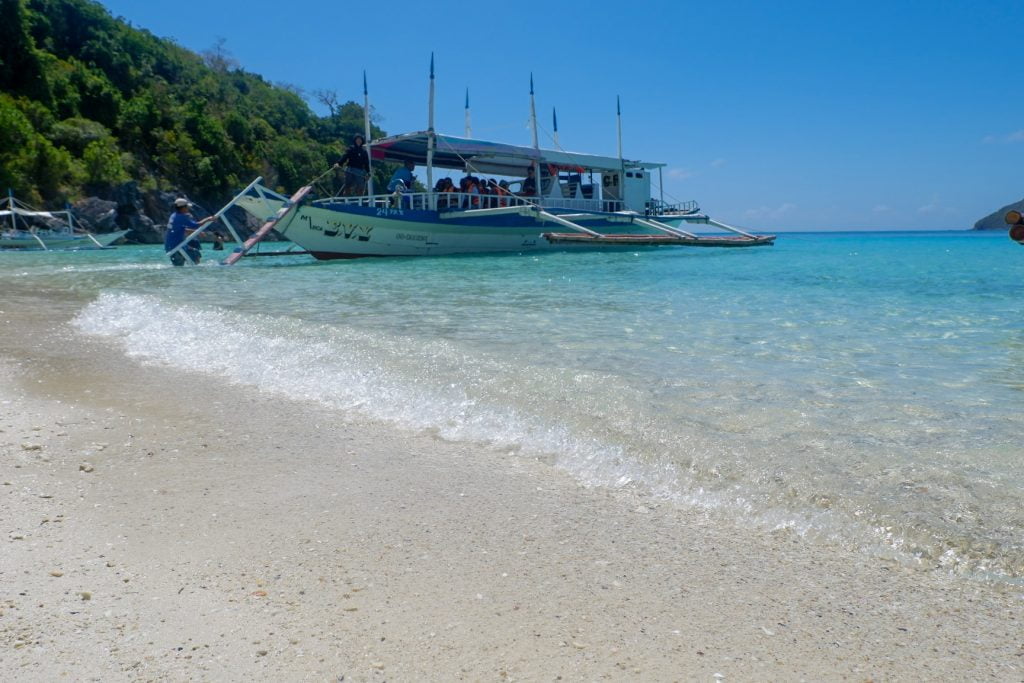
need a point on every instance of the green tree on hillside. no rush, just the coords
(87, 102)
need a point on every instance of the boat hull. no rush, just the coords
(348, 231)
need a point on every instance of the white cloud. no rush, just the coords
(680, 173)
(881, 208)
(1008, 139)
(763, 212)
(718, 163)
(935, 207)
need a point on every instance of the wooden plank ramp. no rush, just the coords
(265, 229)
(651, 240)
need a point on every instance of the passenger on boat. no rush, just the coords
(468, 186)
(357, 167)
(180, 221)
(444, 187)
(530, 184)
(402, 180)
(485, 193)
(500, 190)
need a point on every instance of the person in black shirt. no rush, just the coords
(357, 168)
(529, 186)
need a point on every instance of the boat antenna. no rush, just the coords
(554, 122)
(536, 142)
(469, 128)
(430, 129)
(366, 135)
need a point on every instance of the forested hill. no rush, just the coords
(89, 104)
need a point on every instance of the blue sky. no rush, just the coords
(773, 115)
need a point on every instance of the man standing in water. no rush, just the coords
(357, 168)
(180, 221)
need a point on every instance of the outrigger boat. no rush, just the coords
(586, 201)
(581, 201)
(21, 233)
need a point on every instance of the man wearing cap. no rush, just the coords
(180, 221)
(357, 167)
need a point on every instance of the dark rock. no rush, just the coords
(143, 230)
(997, 220)
(129, 200)
(96, 215)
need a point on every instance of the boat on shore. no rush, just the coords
(585, 202)
(25, 228)
(545, 200)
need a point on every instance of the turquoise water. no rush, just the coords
(865, 389)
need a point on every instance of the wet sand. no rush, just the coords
(161, 526)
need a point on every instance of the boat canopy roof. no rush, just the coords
(22, 212)
(491, 157)
(9, 205)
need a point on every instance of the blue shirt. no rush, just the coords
(403, 174)
(176, 226)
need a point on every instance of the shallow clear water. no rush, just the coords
(867, 389)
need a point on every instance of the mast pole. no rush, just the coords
(366, 135)
(622, 163)
(618, 123)
(536, 141)
(554, 122)
(430, 135)
(469, 128)
(10, 205)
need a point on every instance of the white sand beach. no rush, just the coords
(161, 526)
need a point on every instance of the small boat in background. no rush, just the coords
(25, 228)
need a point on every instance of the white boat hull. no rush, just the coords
(343, 231)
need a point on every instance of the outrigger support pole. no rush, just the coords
(545, 216)
(723, 226)
(658, 225)
(217, 216)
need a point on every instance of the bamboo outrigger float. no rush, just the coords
(577, 201)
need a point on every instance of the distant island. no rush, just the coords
(996, 220)
(117, 121)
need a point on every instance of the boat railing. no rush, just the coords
(657, 207)
(445, 201)
(428, 201)
(578, 204)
